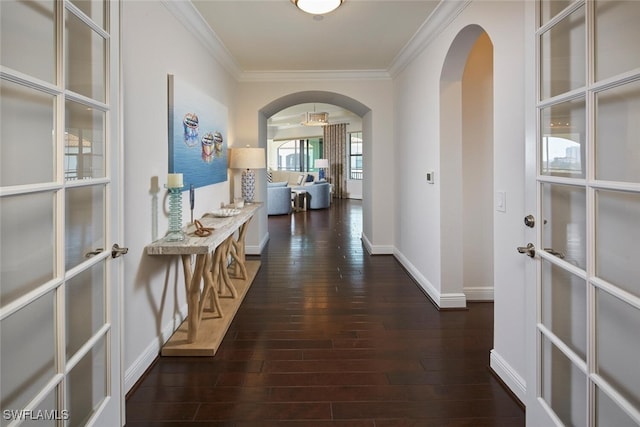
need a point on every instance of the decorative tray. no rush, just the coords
(226, 212)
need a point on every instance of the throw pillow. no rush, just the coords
(269, 176)
(301, 179)
(309, 178)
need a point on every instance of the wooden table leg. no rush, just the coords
(210, 290)
(193, 297)
(225, 280)
(238, 252)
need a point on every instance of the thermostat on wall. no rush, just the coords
(430, 177)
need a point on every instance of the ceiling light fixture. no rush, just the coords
(317, 7)
(315, 119)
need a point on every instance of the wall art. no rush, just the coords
(197, 135)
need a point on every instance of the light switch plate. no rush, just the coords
(501, 201)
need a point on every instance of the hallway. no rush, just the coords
(331, 336)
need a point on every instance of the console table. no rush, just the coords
(210, 282)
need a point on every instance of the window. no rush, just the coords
(299, 155)
(355, 155)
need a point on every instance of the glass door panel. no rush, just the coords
(47, 403)
(85, 301)
(564, 308)
(617, 237)
(564, 210)
(85, 223)
(617, 356)
(28, 123)
(38, 38)
(563, 141)
(84, 142)
(564, 386)
(28, 234)
(617, 130)
(610, 414)
(550, 8)
(588, 308)
(94, 9)
(27, 353)
(60, 351)
(562, 50)
(87, 385)
(85, 60)
(616, 24)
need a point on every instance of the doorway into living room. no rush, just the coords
(297, 147)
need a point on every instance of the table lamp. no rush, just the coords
(247, 159)
(321, 165)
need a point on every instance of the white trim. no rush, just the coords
(453, 300)
(257, 250)
(146, 358)
(188, 15)
(376, 249)
(479, 293)
(312, 75)
(508, 375)
(440, 18)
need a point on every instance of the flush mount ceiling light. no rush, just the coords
(317, 7)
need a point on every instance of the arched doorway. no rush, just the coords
(466, 144)
(325, 97)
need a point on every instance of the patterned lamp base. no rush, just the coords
(248, 185)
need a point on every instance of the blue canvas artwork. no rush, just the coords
(197, 135)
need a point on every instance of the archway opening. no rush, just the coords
(467, 207)
(356, 109)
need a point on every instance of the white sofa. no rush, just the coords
(291, 177)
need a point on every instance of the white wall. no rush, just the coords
(154, 297)
(418, 137)
(477, 172)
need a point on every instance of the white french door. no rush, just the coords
(586, 369)
(59, 285)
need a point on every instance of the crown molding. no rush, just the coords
(312, 75)
(444, 13)
(189, 16)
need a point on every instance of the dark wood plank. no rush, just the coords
(329, 336)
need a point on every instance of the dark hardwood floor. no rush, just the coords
(331, 336)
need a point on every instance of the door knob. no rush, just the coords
(529, 221)
(116, 251)
(530, 250)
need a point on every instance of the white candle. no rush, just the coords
(174, 180)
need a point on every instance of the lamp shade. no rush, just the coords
(321, 163)
(247, 158)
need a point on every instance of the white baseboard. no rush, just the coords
(257, 250)
(450, 300)
(376, 249)
(508, 375)
(146, 358)
(479, 293)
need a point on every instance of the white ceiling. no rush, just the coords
(270, 35)
(273, 35)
